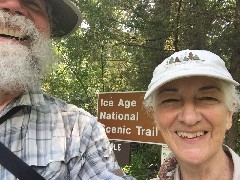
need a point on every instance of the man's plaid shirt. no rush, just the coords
(59, 140)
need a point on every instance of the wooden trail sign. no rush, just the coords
(124, 117)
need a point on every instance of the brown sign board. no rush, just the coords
(122, 151)
(124, 117)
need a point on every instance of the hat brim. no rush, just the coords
(66, 17)
(158, 82)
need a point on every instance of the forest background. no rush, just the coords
(119, 44)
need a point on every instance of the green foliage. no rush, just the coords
(145, 161)
(122, 41)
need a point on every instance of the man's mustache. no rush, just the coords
(17, 27)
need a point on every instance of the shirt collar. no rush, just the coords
(31, 97)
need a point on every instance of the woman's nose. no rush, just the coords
(189, 114)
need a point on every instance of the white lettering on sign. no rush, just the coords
(127, 103)
(147, 132)
(116, 147)
(106, 103)
(117, 130)
(119, 116)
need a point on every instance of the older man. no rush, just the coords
(58, 140)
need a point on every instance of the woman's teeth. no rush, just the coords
(190, 135)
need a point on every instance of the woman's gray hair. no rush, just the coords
(232, 98)
(150, 103)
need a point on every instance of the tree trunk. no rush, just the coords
(232, 134)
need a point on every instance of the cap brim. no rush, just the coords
(66, 17)
(158, 82)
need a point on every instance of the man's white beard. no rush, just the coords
(21, 67)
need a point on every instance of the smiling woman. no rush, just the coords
(192, 97)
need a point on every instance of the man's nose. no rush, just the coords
(13, 7)
(189, 114)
